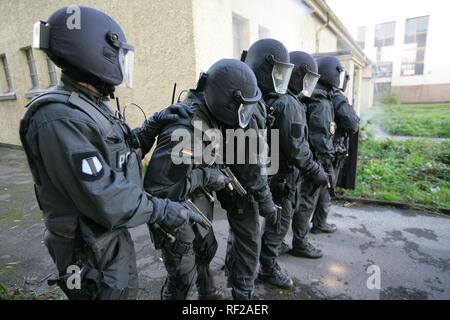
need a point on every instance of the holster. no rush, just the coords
(156, 237)
(66, 252)
(205, 248)
(159, 241)
(231, 201)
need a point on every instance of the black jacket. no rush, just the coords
(291, 123)
(345, 116)
(321, 123)
(176, 181)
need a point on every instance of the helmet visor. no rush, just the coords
(342, 75)
(126, 60)
(344, 86)
(245, 113)
(41, 35)
(281, 74)
(309, 83)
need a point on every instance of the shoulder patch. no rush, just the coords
(88, 165)
(296, 129)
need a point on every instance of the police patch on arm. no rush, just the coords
(296, 129)
(88, 165)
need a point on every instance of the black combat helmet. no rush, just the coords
(304, 76)
(231, 92)
(269, 60)
(88, 45)
(331, 71)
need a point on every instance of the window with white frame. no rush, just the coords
(413, 55)
(240, 35)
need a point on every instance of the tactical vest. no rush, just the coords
(120, 156)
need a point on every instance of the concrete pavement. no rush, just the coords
(410, 249)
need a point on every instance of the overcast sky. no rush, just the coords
(355, 13)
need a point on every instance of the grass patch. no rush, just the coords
(420, 120)
(412, 171)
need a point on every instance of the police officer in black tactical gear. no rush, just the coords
(86, 171)
(347, 122)
(225, 97)
(243, 208)
(267, 57)
(321, 126)
(302, 83)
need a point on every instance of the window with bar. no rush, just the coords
(52, 76)
(32, 68)
(413, 56)
(9, 87)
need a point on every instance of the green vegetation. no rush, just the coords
(389, 97)
(411, 171)
(419, 120)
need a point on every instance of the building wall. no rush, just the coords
(161, 32)
(289, 21)
(174, 41)
(418, 88)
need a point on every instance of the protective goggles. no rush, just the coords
(126, 58)
(247, 107)
(309, 81)
(346, 79)
(281, 74)
(342, 75)
(41, 35)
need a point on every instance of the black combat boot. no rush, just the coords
(243, 295)
(213, 294)
(325, 228)
(308, 251)
(284, 248)
(275, 277)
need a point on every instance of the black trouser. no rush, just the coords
(307, 200)
(243, 249)
(272, 238)
(324, 203)
(108, 272)
(187, 260)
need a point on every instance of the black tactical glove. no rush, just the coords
(267, 208)
(328, 167)
(145, 136)
(172, 113)
(175, 214)
(211, 178)
(274, 217)
(214, 179)
(320, 177)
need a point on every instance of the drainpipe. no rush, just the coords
(320, 30)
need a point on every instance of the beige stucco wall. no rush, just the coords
(289, 21)
(161, 32)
